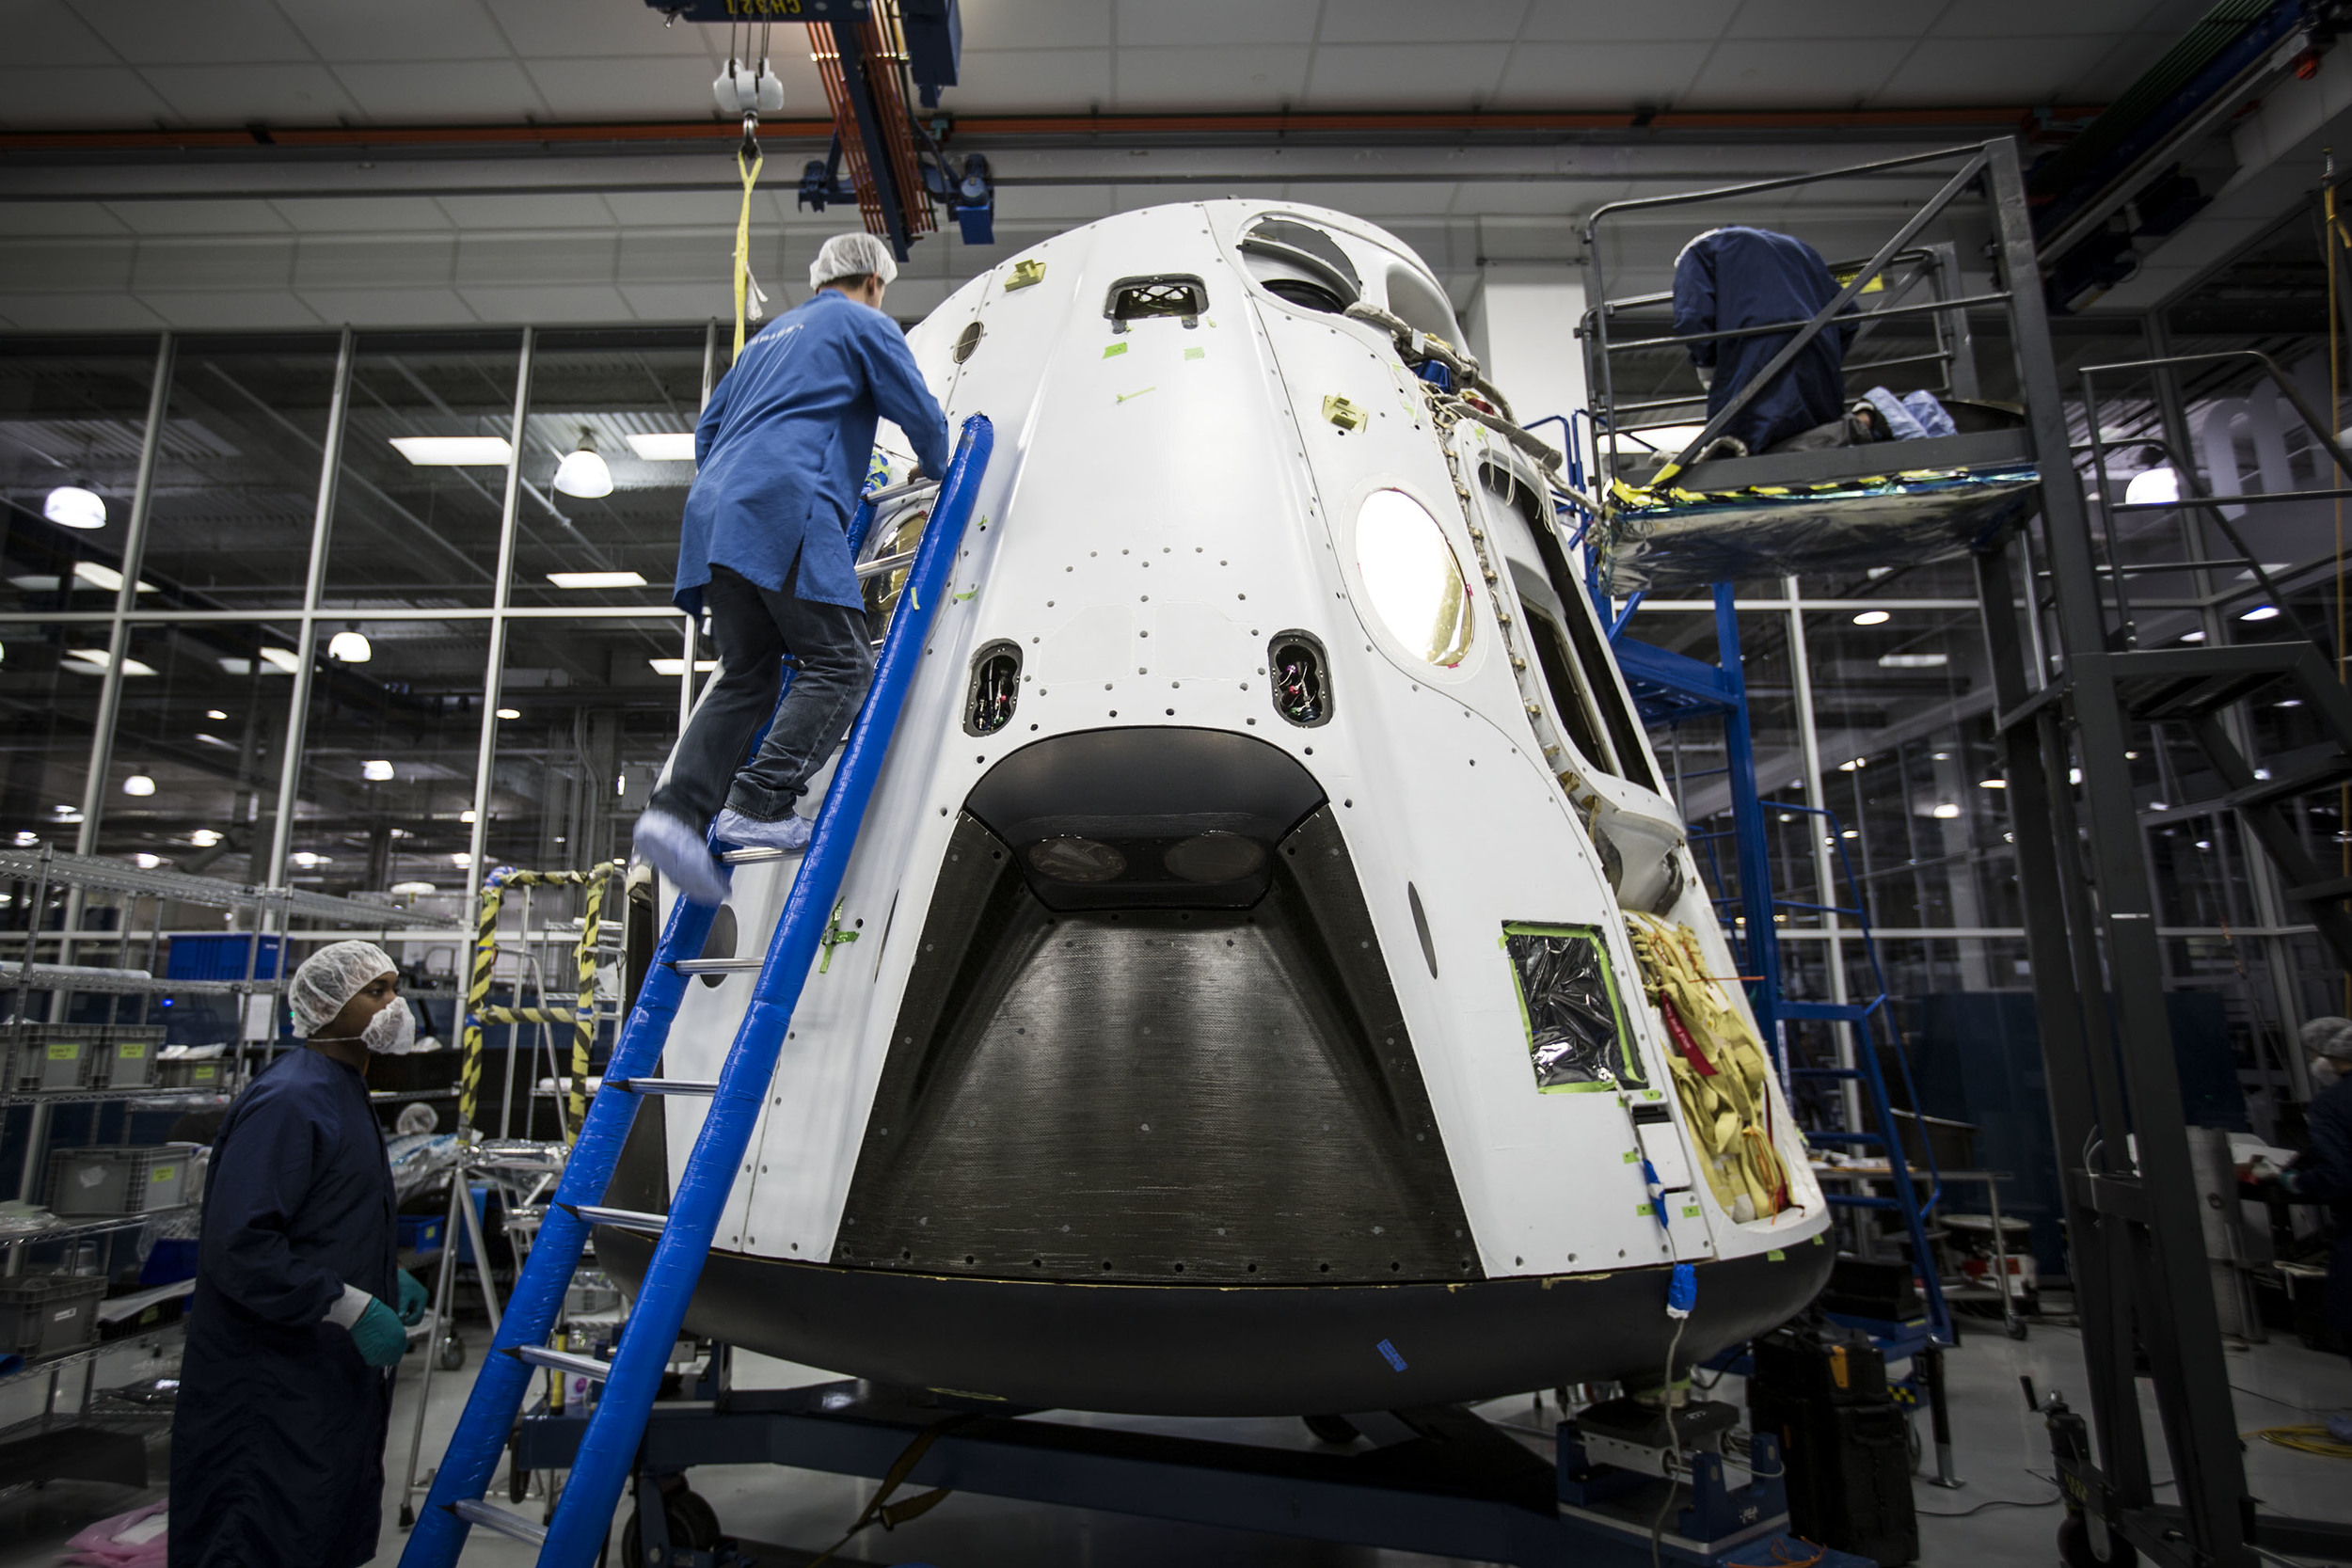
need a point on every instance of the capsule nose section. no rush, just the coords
(1160, 818)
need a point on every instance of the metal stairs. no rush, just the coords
(582, 1518)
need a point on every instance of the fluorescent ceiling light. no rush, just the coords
(204, 838)
(94, 661)
(597, 580)
(105, 578)
(1992, 783)
(415, 888)
(146, 862)
(461, 858)
(1944, 813)
(2192, 636)
(203, 739)
(215, 713)
(1913, 661)
(677, 666)
(664, 446)
(510, 713)
(454, 451)
(71, 506)
(305, 859)
(1872, 618)
(465, 815)
(281, 659)
(2261, 612)
(376, 771)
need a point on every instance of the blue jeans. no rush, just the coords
(758, 630)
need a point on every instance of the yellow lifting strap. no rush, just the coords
(744, 283)
(1728, 1108)
(582, 1018)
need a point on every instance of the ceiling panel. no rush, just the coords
(583, 210)
(76, 313)
(667, 88)
(536, 28)
(1778, 73)
(34, 98)
(1211, 77)
(506, 260)
(458, 92)
(26, 219)
(47, 32)
(294, 93)
(1580, 21)
(348, 215)
(203, 217)
(390, 307)
(411, 30)
(548, 302)
(1000, 81)
(160, 32)
(1390, 75)
(1983, 70)
(1600, 75)
(1419, 22)
(1832, 19)
(333, 265)
(1036, 24)
(183, 264)
(229, 309)
(1224, 22)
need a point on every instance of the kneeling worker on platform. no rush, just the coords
(278, 1435)
(783, 447)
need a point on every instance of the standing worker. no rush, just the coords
(277, 1436)
(781, 450)
(2325, 1174)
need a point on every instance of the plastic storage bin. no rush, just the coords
(126, 1060)
(84, 1182)
(55, 1055)
(45, 1315)
(211, 1073)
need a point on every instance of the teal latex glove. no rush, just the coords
(381, 1340)
(413, 1299)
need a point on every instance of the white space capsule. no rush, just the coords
(1237, 1009)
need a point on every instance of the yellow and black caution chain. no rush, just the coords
(582, 1018)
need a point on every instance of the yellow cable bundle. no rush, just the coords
(744, 242)
(1727, 1109)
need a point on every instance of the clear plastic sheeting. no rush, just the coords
(1671, 539)
(1576, 1026)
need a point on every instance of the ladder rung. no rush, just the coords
(717, 966)
(758, 853)
(561, 1361)
(663, 1086)
(628, 1219)
(514, 1526)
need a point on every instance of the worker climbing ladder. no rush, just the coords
(631, 1379)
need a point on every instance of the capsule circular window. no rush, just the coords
(1215, 857)
(1412, 577)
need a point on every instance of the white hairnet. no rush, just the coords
(852, 255)
(2331, 1037)
(330, 978)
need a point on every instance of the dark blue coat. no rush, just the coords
(1740, 276)
(783, 443)
(2324, 1175)
(277, 1437)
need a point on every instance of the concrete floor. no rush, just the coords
(2005, 1513)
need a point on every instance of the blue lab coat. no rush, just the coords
(2324, 1175)
(782, 447)
(1740, 276)
(277, 1437)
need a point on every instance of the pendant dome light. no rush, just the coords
(584, 473)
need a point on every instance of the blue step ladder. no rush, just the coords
(1670, 688)
(607, 1450)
